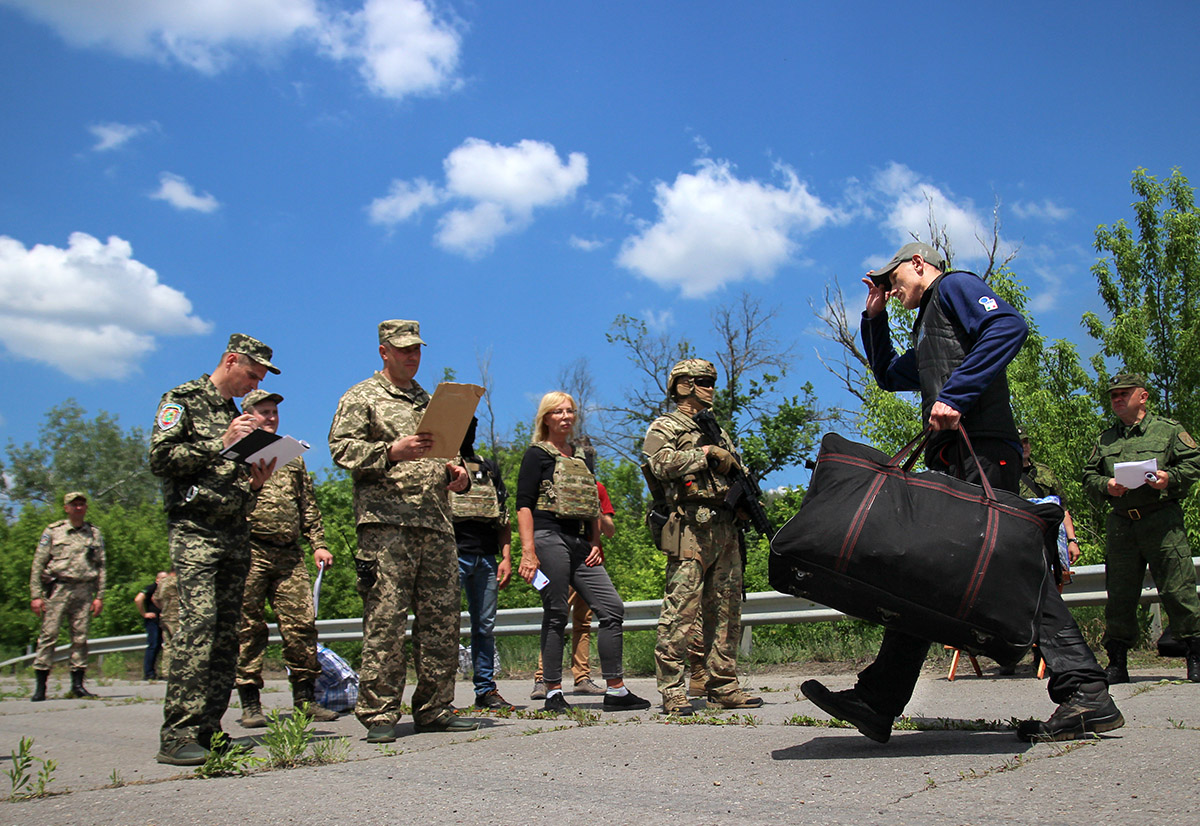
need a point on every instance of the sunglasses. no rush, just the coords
(704, 381)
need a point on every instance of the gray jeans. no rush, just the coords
(561, 558)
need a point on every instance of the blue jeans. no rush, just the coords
(477, 575)
(153, 646)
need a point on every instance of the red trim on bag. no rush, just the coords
(990, 535)
(860, 519)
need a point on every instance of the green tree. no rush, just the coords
(1149, 282)
(74, 452)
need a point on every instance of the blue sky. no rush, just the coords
(515, 175)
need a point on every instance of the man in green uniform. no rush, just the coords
(406, 554)
(1146, 523)
(207, 498)
(67, 579)
(286, 510)
(700, 539)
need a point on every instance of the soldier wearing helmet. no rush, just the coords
(700, 539)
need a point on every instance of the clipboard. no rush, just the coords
(263, 445)
(448, 416)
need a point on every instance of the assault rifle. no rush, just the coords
(744, 494)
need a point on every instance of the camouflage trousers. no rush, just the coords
(72, 600)
(402, 569)
(277, 575)
(210, 569)
(702, 594)
(1157, 540)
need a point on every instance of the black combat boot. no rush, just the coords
(77, 689)
(1193, 660)
(1118, 664)
(302, 699)
(252, 713)
(39, 691)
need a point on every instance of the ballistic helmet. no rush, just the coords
(690, 368)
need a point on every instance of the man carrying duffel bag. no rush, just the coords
(963, 339)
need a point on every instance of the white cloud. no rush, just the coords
(659, 322)
(501, 185)
(906, 201)
(714, 229)
(90, 310)
(403, 200)
(179, 193)
(400, 47)
(1047, 210)
(585, 244)
(113, 135)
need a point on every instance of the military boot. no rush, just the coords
(39, 691)
(698, 680)
(77, 689)
(1118, 668)
(303, 700)
(1193, 660)
(252, 713)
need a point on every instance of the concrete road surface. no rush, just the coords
(767, 766)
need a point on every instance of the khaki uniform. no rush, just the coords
(406, 557)
(286, 510)
(166, 597)
(704, 566)
(207, 499)
(1145, 527)
(70, 562)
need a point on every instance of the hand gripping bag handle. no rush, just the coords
(906, 457)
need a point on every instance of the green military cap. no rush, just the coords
(1121, 381)
(245, 345)
(255, 396)
(905, 253)
(400, 333)
(73, 495)
(1021, 434)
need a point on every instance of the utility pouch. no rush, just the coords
(367, 573)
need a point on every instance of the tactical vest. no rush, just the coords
(571, 493)
(704, 486)
(942, 344)
(480, 501)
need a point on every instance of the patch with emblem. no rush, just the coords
(988, 303)
(1186, 438)
(169, 415)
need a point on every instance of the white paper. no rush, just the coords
(317, 591)
(540, 580)
(282, 451)
(1133, 474)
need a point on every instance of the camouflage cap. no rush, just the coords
(255, 396)
(695, 368)
(245, 345)
(1021, 434)
(905, 253)
(73, 495)
(400, 333)
(1122, 381)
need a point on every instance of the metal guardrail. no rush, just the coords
(760, 608)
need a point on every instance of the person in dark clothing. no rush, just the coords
(963, 339)
(150, 613)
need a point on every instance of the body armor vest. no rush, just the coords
(479, 502)
(571, 493)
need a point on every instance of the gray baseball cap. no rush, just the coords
(905, 253)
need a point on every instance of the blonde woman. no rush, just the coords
(558, 519)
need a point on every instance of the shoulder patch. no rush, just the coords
(169, 415)
(988, 303)
(1186, 438)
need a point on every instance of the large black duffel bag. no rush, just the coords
(924, 553)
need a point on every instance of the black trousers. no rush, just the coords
(887, 684)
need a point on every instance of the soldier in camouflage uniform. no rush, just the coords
(207, 498)
(406, 553)
(67, 579)
(286, 510)
(1146, 523)
(704, 564)
(166, 598)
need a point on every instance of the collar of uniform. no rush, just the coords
(1137, 428)
(415, 393)
(684, 419)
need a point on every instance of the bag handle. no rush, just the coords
(906, 457)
